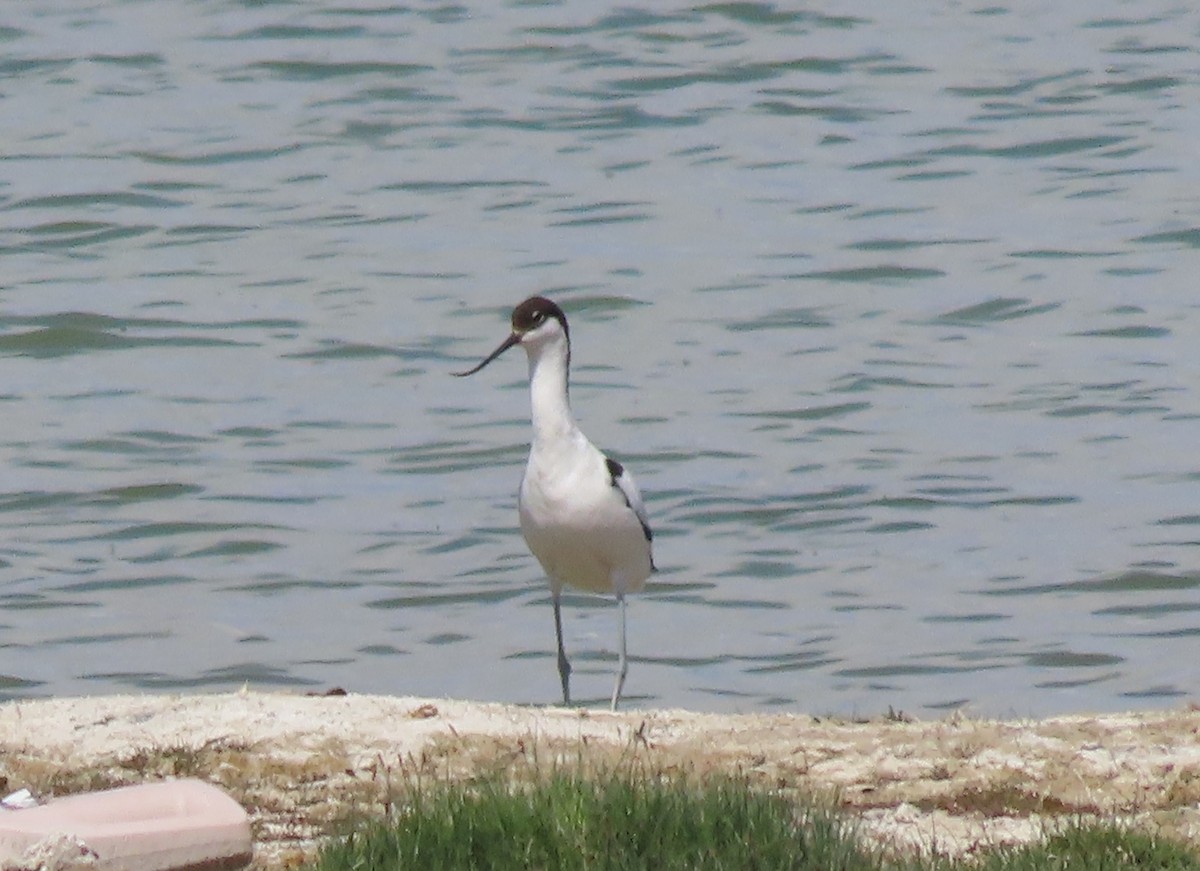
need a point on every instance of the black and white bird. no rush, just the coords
(581, 513)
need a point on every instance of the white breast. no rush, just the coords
(578, 525)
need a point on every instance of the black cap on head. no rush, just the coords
(533, 311)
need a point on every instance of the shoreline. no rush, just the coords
(300, 764)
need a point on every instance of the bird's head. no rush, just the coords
(536, 324)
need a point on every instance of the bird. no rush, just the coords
(582, 515)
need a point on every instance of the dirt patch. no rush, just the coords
(300, 765)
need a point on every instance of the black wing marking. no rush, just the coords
(629, 490)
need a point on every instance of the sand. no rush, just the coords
(301, 764)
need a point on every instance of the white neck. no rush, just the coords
(548, 364)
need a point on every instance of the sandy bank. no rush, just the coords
(298, 763)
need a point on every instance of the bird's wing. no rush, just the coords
(623, 481)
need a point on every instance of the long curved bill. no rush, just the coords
(513, 339)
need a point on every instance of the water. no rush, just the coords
(891, 310)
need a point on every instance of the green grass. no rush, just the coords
(1094, 848)
(619, 821)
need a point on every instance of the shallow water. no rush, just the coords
(891, 311)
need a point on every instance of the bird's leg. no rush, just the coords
(623, 662)
(564, 667)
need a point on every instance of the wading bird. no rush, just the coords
(581, 514)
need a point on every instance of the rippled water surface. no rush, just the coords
(892, 309)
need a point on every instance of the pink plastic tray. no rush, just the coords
(176, 824)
